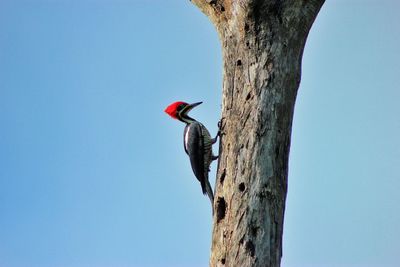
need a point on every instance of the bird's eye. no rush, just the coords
(181, 106)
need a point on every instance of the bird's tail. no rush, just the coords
(209, 192)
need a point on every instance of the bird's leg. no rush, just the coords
(214, 140)
(219, 134)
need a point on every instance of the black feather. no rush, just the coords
(195, 149)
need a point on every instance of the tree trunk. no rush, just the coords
(262, 43)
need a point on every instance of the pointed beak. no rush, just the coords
(195, 104)
(190, 107)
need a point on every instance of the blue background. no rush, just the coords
(93, 172)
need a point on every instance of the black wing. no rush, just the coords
(194, 146)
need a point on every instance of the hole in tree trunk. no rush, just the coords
(242, 187)
(222, 178)
(250, 248)
(254, 230)
(221, 209)
(277, 151)
(239, 63)
(223, 261)
(248, 96)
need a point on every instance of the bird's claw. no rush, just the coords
(221, 126)
(220, 123)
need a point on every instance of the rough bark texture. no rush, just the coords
(262, 43)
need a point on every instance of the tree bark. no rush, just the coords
(262, 43)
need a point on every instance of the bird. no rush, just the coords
(197, 143)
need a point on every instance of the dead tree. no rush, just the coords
(262, 43)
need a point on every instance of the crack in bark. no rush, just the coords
(247, 118)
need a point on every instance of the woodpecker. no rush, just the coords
(197, 143)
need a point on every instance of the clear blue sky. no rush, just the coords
(93, 173)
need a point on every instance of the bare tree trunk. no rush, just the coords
(262, 43)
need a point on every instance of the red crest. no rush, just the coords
(172, 109)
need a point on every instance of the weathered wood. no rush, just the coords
(262, 43)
